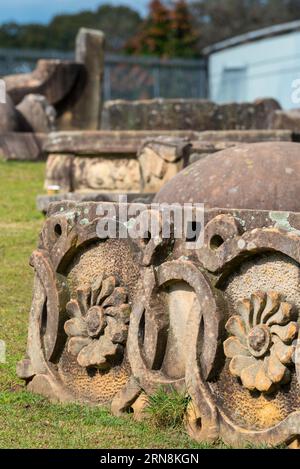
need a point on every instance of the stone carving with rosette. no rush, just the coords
(113, 320)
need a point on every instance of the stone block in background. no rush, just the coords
(10, 119)
(54, 79)
(38, 113)
(183, 114)
(113, 320)
(22, 146)
(247, 136)
(287, 120)
(160, 160)
(73, 88)
(87, 110)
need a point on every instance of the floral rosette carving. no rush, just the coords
(261, 343)
(99, 326)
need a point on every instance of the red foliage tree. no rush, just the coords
(183, 38)
(152, 37)
(167, 32)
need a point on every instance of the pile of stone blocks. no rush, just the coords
(102, 165)
(58, 94)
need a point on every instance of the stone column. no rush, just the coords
(90, 45)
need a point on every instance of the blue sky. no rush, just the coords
(24, 11)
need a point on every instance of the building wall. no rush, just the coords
(263, 68)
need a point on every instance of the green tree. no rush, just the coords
(153, 35)
(118, 23)
(166, 32)
(183, 36)
(218, 20)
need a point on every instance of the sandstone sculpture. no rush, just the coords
(217, 320)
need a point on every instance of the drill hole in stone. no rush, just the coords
(147, 238)
(58, 230)
(216, 242)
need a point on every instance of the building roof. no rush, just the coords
(253, 36)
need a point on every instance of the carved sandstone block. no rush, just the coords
(113, 319)
(92, 174)
(106, 174)
(83, 295)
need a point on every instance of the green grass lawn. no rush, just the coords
(28, 421)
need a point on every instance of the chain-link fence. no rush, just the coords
(126, 77)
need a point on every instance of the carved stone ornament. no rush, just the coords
(261, 342)
(99, 325)
(114, 319)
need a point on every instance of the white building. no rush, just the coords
(263, 63)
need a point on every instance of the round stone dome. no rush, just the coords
(262, 176)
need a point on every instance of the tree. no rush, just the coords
(154, 32)
(118, 23)
(183, 36)
(166, 32)
(218, 20)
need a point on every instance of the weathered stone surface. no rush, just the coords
(9, 117)
(59, 172)
(83, 174)
(247, 136)
(256, 176)
(286, 120)
(86, 113)
(90, 283)
(39, 114)
(160, 159)
(105, 161)
(43, 202)
(22, 146)
(217, 320)
(99, 142)
(54, 79)
(187, 114)
(106, 174)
